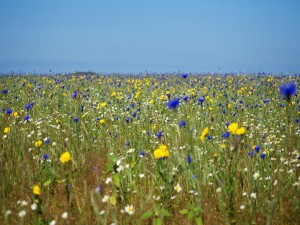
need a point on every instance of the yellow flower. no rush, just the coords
(38, 144)
(234, 129)
(6, 130)
(15, 114)
(36, 190)
(103, 104)
(102, 121)
(240, 131)
(57, 121)
(65, 157)
(204, 134)
(161, 152)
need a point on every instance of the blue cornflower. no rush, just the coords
(182, 123)
(201, 100)
(75, 120)
(134, 114)
(251, 153)
(26, 118)
(173, 104)
(9, 111)
(184, 76)
(209, 137)
(257, 148)
(127, 143)
(142, 153)
(159, 134)
(288, 90)
(185, 98)
(297, 120)
(29, 105)
(45, 156)
(47, 140)
(127, 120)
(262, 155)
(4, 92)
(189, 159)
(225, 135)
(74, 95)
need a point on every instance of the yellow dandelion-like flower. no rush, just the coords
(15, 114)
(232, 128)
(36, 190)
(65, 157)
(102, 121)
(204, 134)
(240, 131)
(161, 152)
(6, 130)
(103, 104)
(38, 143)
(235, 129)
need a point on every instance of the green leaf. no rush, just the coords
(184, 211)
(164, 212)
(47, 183)
(158, 221)
(199, 221)
(147, 215)
(191, 215)
(116, 179)
(113, 200)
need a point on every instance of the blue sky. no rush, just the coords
(157, 36)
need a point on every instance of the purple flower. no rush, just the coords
(47, 140)
(9, 111)
(159, 134)
(173, 104)
(185, 98)
(189, 159)
(74, 95)
(182, 123)
(257, 148)
(288, 90)
(184, 76)
(127, 143)
(262, 155)
(225, 135)
(29, 105)
(251, 153)
(201, 100)
(45, 156)
(75, 120)
(26, 118)
(142, 153)
(4, 92)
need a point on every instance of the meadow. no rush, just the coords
(149, 149)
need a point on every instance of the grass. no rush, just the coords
(111, 126)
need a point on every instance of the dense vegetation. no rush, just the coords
(150, 149)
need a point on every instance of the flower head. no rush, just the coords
(161, 152)
(235, 129)
(38, 143)
(178, 188)
(36, 190)
(288, 90)
(204, 134)
(65, 157)
(129, 209)
(173, 104)
(6, 130)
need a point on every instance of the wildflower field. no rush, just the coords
(149, 149)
